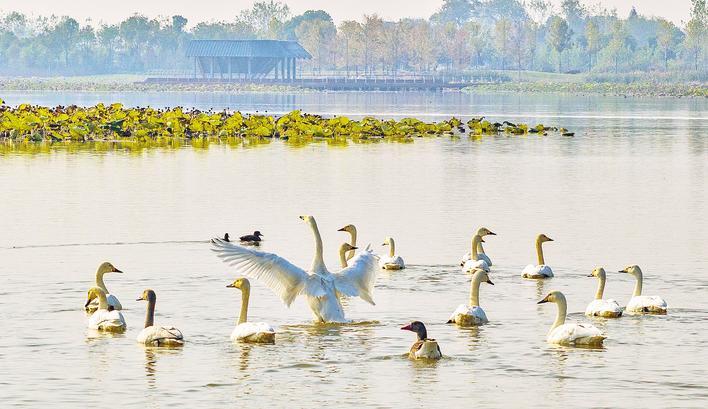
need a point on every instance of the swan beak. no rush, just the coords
(550, 239)
(491, 233)
(139, 299)
(482, 240)
(87, 303)
(230, 285)
(117, 271)
(342, 229)
(623, 271)
(543, 301)
(590, 275)
(490, 282)
(302, 217)
(354, 248)
(407, 328)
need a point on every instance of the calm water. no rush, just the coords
(629, 188)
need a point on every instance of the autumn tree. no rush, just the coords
(559, 37)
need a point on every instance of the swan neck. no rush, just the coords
(638, 285)
(102, 301)
(317, 261)
(350, 253)
(99, 281)
(392, 250)
(474, 290)
(343, 258)
(245, 295)
(150, 314)
(600, 287)
(539, 252)
(476, 241)
(480, 248)
(562, 311)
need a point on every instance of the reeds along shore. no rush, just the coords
(32, 123)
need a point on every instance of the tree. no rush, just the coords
(666, 39)
(592, 36)
(317, 36)
(373, 40)
(478, 40)
(501, 39)
(559, 37)
(457, 12)
(695, 41)
(266, 17)
(350, 34)
(617, 47)
(517, 42)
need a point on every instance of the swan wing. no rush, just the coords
(155, 335)
(358, 279)
(277, 273)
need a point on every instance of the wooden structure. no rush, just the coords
(246, 59)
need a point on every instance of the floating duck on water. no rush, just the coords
(424, 347)
(251, 239)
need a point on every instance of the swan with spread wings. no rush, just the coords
(322, 288)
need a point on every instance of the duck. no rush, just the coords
(392, 262)
(157, 335)
(351, 229)
(643, 304)
(321, 287)
(252, 332)
(482, 231)
(475, 263)
(226, 237)
(472, 314)
(600, 307)
(541, 270)
(251, 239)
(424, 347)
(570, 334)
(112, 300)
(345, 249)
(104, 318)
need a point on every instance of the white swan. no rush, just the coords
(472, 314)
(256, 332)
(570, 334)
(600, 307)
(475, 263)
(322, 288)
(392, 262)
(541, 270)
(343, 250)
(643, 304)
(351, 229)
(154, 335)
(424, 347)
(111, 299)
(482, 231)
(104, 318)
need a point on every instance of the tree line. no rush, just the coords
(462, 36)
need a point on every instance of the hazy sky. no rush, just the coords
(200, 10)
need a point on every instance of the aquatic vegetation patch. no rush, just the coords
(177, 126)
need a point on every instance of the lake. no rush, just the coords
(630, 188)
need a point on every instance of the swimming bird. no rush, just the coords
(154, 335)
(424, 347)
(600, 307)
(482, 231)
(226, 237)
(570, 334)
(104, 317)
(252, 239)
(643, 304)
(472, 314)
(343, 250)
(474, 262)
(112, 300)
(351, 229)
(541, 270)
(321, 287)
(392, 262)
(254, 332)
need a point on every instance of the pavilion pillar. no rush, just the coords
(282, 68)
(275, 70)
(212, 66)
(248, 74)
(230, 69)
(194, 73)
(294, 69)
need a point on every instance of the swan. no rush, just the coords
(154, 335)
(351, 229)
(424, 347)
(343, 250)
(111, 299)
(472, 314)
(104, 318)
(639, 303)
(255, 332)
(474, 263)
(541, 270)
(322, 288)
(600, 307)
(570, 334)
(251, 239)
(392, 262)
(482, 231)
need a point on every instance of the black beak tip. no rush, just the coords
(138, 299)
(542, 302)
(490, 282)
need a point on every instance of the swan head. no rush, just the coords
(598, 272)
(387, 241)
(417, 327)
(482, 276)
(147, 295)
(553, 296)
(241, 284)
(483, 231)
(541, 238)
(348, 228)
(346, 247)
(107, 267)
(632, 270)
(93, 293)
(308, 219)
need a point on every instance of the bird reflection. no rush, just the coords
(150, 367)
